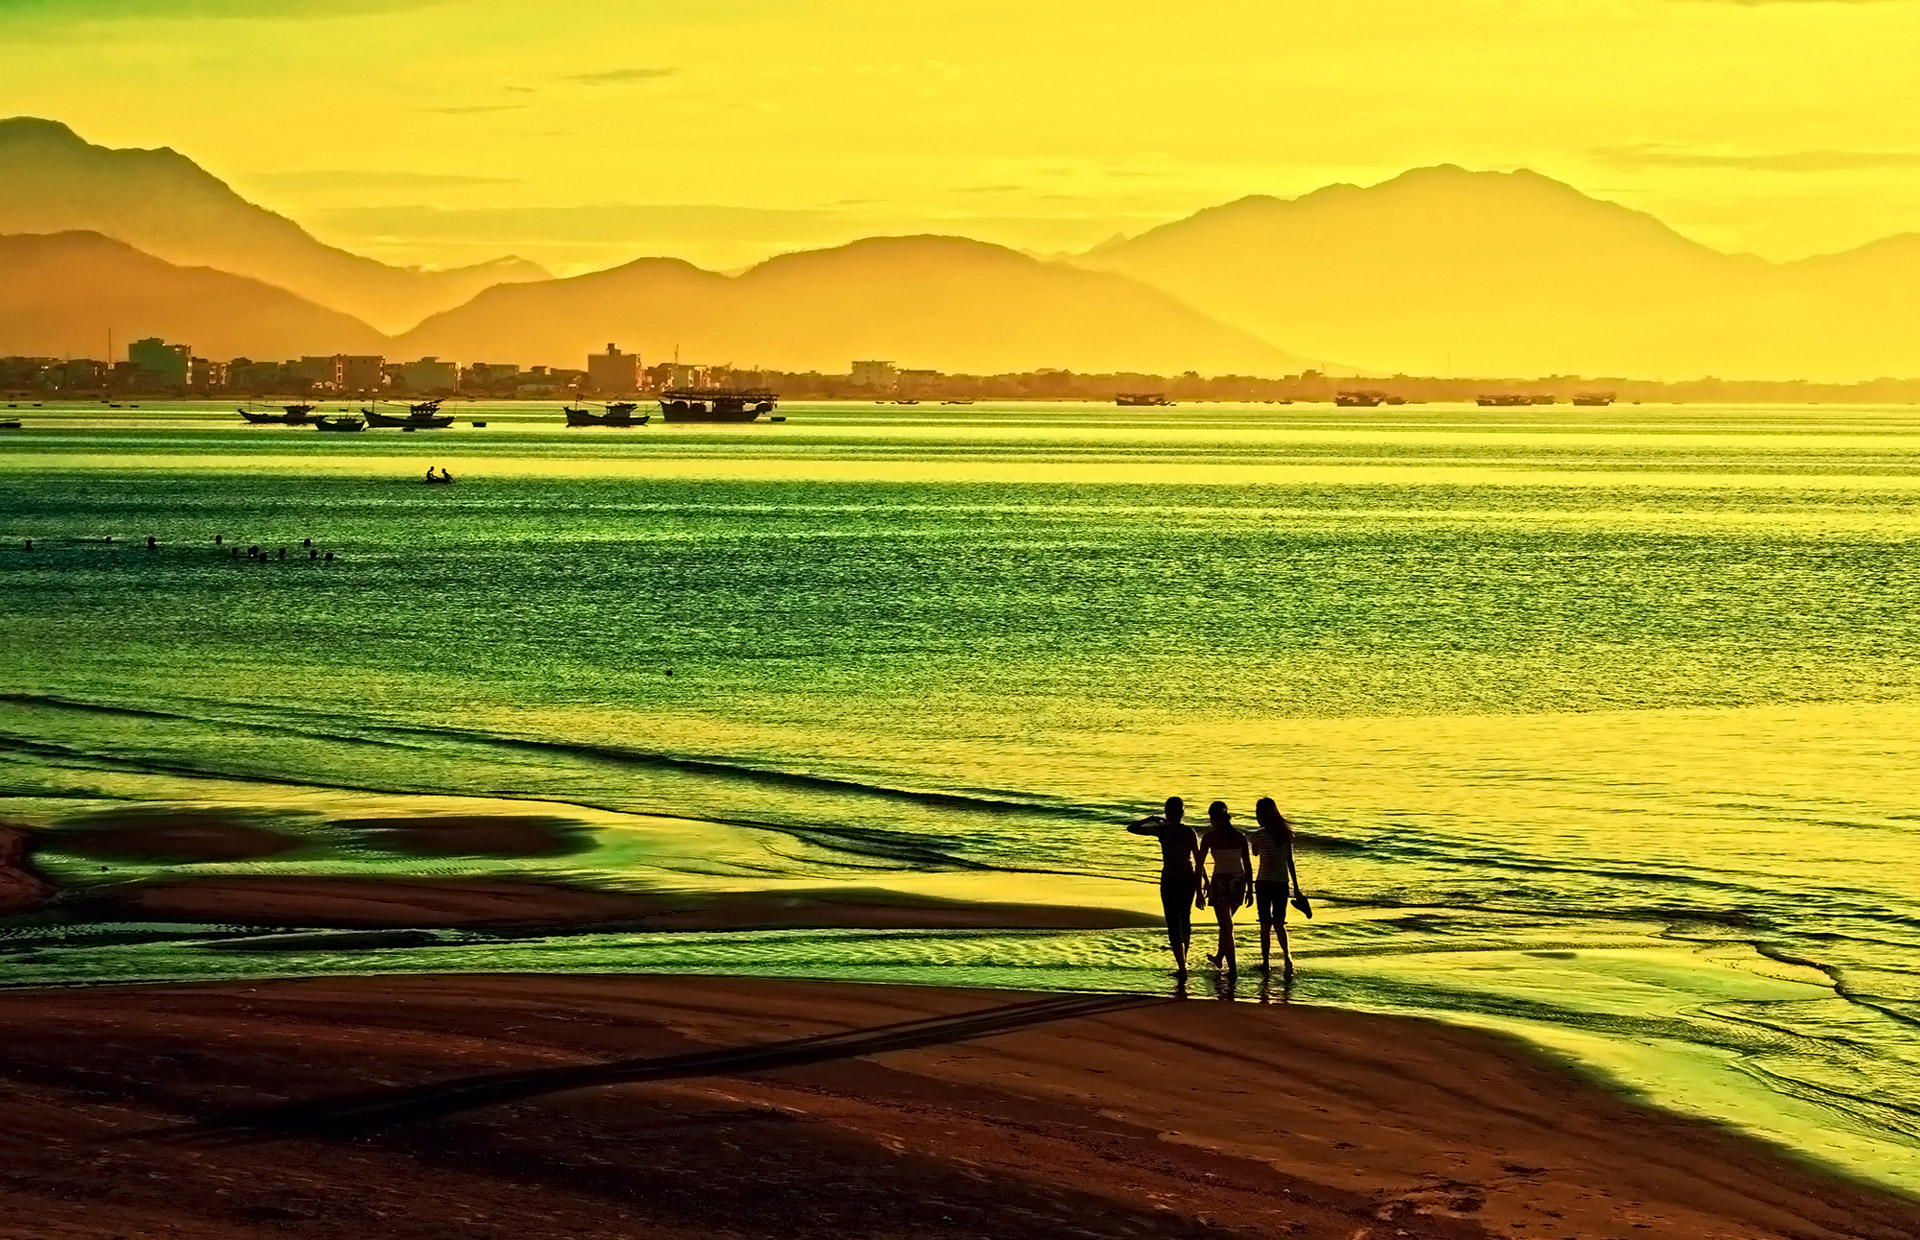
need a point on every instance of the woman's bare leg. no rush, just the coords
(1286, 952)
(1225, 915)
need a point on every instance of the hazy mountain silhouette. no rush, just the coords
(52, 180)
(62, 293)
(942, 302)
(1441, 270)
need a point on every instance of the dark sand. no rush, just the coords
(1152, 1118)
(474, 835)
(529, 904)
(20, 887)
(177, 836)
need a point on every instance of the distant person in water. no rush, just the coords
(1275, 881)
(1226, 886)
(1179, 874)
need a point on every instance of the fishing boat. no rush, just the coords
(413, 421)
(1593, 398)
(11, 424)
(1503, 400)
(339, 425)
(716, 404)
(620, 414)
(1137, 399)
(956, 402)
(292, 416)
(1360, 399)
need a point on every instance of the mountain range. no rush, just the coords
(1437, 271)
(1446, 271)
(52, 181)
(946, 302)
(60, 293)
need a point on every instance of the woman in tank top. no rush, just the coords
(1275, 880)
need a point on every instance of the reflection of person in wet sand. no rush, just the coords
(1179, 875)
(1275, 881)
(1226, 887)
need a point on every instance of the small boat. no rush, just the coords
(778, 417)
(1593, 398)
(476, 424)
(339, 425)
(11, 424)
(444, 480)
(413, 421)
(906, 402)
(616, 415)
(1360, 399)
(956, 402)
(1138, 400)
(1503, 400)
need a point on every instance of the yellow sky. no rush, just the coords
(722, 130)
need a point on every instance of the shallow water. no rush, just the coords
(1600, 725)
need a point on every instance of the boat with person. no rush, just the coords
(1141, 399)
(716, 404)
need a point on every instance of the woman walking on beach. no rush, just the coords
(1271, 841)
(1179, 875)
(1226, 887)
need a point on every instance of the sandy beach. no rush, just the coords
(516, 1106)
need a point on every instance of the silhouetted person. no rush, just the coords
(1226, 886)
(1275, 881)
(329, 557)
(312, 554)
(217, 538)
(283, 553)
(429, 473)
(1179, 875)
(151, 543)
(29, 544)
(306, 542)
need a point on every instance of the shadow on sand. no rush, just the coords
(351, 1113)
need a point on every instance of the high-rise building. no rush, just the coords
(357, 372)
(613, 372)
(429, 374)
(877, 375)
(168, 362)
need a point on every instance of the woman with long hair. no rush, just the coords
(1275, 881)
(1226, 886)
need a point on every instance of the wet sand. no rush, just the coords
(529, 904)
(682, 1107)
(21, 888)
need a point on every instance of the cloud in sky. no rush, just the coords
(67, 12)
(1657, 155)
(615, 77)
(369, 179)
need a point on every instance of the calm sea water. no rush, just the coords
(1601, 725)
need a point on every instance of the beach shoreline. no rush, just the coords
(694, 1106)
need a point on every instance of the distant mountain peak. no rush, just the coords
(164, 204)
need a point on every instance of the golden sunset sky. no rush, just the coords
(582, 134)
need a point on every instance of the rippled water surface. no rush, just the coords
(1601, 725)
